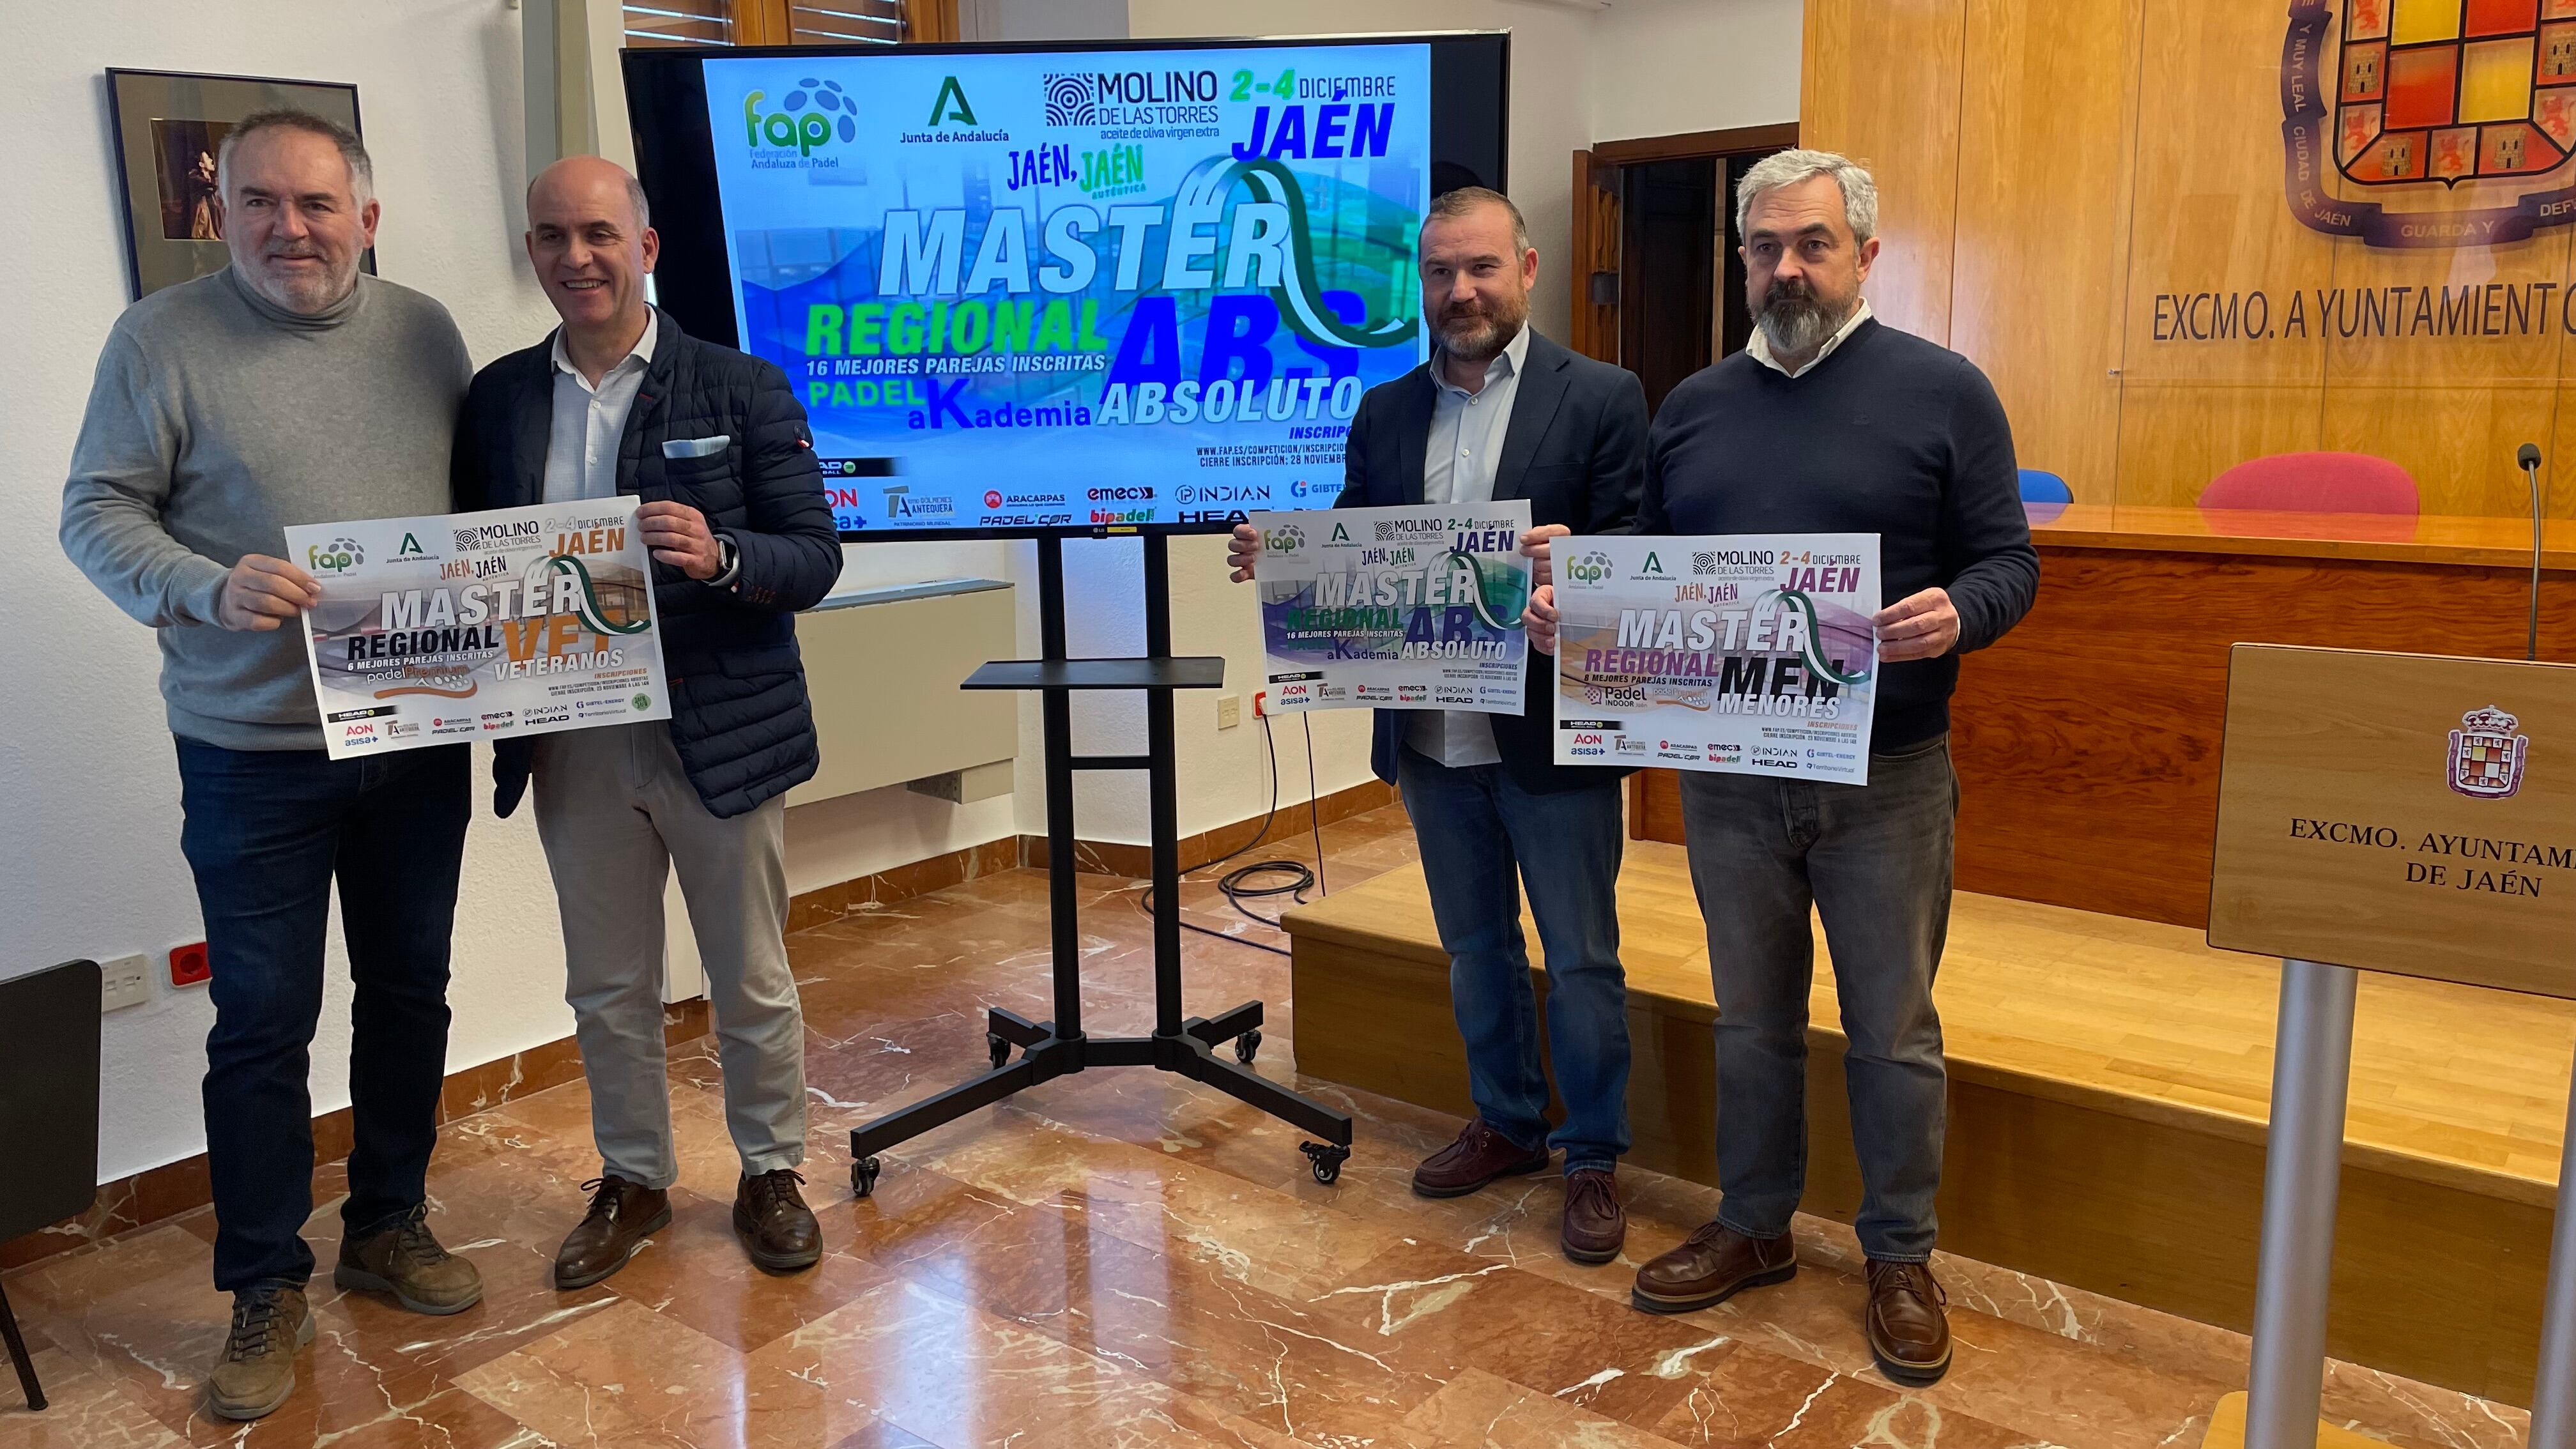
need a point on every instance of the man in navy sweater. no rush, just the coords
(1829, 422)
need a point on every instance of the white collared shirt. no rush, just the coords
(1467, 432)
(581, 447)
(1760, 346)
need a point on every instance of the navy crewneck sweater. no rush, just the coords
(1889, 435)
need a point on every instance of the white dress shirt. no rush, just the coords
(581, 448)
(1467, 431)
(1760, 346)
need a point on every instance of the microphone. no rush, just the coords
(2527, 458)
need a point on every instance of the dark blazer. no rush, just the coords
(739, 715)
(1575, 448)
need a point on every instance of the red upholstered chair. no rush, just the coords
(2315, 483)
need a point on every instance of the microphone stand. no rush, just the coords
(2531, 471)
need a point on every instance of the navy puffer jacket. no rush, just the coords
(739, 714)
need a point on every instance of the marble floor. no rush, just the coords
(1116, 1259)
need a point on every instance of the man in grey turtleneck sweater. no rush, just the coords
(287, 389)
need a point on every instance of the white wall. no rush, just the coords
(1669, 67)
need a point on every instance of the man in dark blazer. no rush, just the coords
(619, 401)
(1500, 412)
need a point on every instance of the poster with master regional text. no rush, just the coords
(461, 626)
(1410, 607)
(1746, 654)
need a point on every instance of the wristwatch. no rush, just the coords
(729, 560)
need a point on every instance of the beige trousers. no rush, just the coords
(616, 813)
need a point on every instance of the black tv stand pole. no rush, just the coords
(1058, 1048)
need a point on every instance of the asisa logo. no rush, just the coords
(807, 117)
(2401, 101)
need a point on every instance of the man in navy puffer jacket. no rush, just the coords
(714, 443)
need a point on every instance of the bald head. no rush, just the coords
(591, 240)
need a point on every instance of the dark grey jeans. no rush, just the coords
(1874, 861)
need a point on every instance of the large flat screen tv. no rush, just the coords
(1024, 290)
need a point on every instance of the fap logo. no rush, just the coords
(2409, 99)
(1591, 568)
(1287, 538)
(793, 127)
(336, 557)
(2486, 754)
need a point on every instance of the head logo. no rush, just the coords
(2409, 98)
(794, 128)
(952, 105)
(2486, 754)
(1071, 101)
(1591, 568)
(1287, 538)
(336, 557)
(410, 548)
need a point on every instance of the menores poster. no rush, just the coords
(463, 626)
(1747, 654)
(1067, 290)
(1414, 607)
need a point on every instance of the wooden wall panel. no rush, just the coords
(2175, 437)
(2041, 266)
(1880, 83)
(2458, 441)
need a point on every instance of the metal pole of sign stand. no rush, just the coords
(2302, 1176)
(2553, 1394)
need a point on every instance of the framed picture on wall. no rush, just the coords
(169, 128)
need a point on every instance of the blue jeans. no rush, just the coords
(1874, 862)
(1479, 831)
(266, 833)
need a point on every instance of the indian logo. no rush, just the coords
(2415, 97)
(2486, 755)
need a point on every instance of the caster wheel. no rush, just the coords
(1327, 1160)
(863, 1176)
(1000, 1050)
(1248, 1046)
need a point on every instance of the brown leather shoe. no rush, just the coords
(1480, 1155)
(1909, 1334)
(406, 1261)
(1711, 1266)
(1595, 1224)
(775, 1226)
(257, 1371)
(622, 1216)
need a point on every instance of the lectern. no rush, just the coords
(2406, 813)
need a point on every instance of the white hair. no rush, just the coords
(362, 170)
(1788, 168)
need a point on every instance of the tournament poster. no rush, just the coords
(1075, 289)
(463, 626)
(1746, 654)
(1412, 607)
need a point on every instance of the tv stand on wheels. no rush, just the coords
(1057, 1048)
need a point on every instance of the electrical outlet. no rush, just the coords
(1229, 711)
(125, 981)
(188, 964)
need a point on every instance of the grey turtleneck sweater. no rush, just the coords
(217, 419)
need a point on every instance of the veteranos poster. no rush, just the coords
(513, 621)
(1413, 607)
(1749, 654)
(1046, 290)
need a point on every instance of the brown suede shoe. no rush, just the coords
(1595, 1224)
(775, 1226)
(622, 1216)
(1480, 1155)
(257, 1370)
(1711, 1266)
(1909, 1335)
(407, 1262)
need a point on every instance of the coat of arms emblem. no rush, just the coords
(2412, 98)
(2486, 754)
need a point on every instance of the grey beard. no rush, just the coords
(1797, 326)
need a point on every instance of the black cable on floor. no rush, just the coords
(1236, 885)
